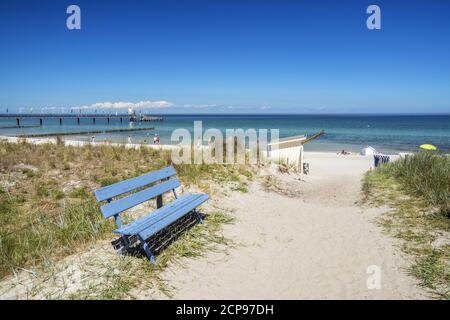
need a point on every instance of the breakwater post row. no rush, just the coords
(79, 133)
(19, 127)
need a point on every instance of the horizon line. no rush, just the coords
(251, 113)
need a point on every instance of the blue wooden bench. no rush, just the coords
(152, 185)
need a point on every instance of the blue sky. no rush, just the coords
(227, 56)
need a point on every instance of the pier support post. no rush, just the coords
(18, 122)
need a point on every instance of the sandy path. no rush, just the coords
(318, 245)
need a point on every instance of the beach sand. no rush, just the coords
(316, 245)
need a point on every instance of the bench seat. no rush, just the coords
(159, 219)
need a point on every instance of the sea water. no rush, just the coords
(386, 133)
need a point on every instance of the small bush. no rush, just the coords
(58, 194)
(42, 191)
(80, 192)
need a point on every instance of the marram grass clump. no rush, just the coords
(39, 238)
(417, 189)
(425, 175)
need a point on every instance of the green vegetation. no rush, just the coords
(47, 209)
(418, 191)
(426, 175)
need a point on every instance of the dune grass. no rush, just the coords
(417, 190)
(47, 209)
(129, 275)
(425, 175)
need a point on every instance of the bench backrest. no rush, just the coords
(114, 208)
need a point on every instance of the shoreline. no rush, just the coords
(82, 142)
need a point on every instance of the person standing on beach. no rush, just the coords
(129, 140)
(156, 139)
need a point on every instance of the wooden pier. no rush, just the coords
(122, 117)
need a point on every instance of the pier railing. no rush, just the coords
(78, 117)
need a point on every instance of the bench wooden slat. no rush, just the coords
(159, 218)
(143, 222)
(122, 187)
(169, 219)
(134, 199)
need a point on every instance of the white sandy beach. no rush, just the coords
(315, 243)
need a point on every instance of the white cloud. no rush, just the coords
(199, 106)
(125, 105)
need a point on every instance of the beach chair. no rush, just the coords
(380, 159)
(143, 229)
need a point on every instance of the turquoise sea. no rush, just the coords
(386, 133)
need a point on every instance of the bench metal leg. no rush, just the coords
(126, 242)
(147, 250)
(198, 216)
